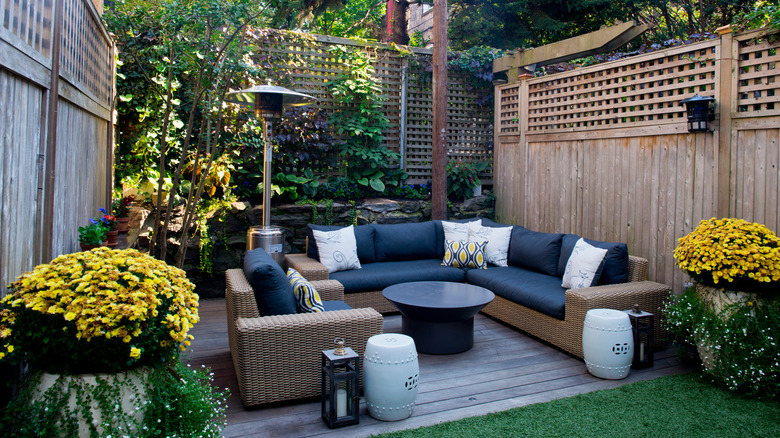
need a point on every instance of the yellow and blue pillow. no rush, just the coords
(306, 295)
(464, 254)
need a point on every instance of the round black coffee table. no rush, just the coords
(438, 315)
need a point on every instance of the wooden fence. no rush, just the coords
(55, 128)
(307, 65)
(604, 151)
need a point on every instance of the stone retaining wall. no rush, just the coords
(228, 229)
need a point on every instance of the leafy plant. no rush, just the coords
(176, 401)
(463, 177)
(92, 234)
(744, 335)
(731, 252)
(120, 207)
(359, 118)
(186, 56)
(102, 310)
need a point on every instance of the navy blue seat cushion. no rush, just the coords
(414, 241)
(364, 238)
(377, 276)
(335, 305)
(614, 268)
(536, 251)
(273, 292)
(534, 290)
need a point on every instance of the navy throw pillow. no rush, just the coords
(614, 268)
(364, 237)
(415, 241)
(273, 292)
(534, 250)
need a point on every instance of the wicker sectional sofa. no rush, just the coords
(528, 292)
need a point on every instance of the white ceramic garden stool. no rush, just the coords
(390, 375)
(607, 343)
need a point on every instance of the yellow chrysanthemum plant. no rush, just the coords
(97, 311)
(731, 254)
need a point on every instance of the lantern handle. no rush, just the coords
(339, 351)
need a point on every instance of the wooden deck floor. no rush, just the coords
(505, 369)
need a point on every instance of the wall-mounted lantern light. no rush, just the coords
(499, 78)
(700, 112)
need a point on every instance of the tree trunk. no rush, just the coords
(396, 22)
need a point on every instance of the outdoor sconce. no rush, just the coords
(642, 327)
(340, 386)
(500, 78)
(699, 112)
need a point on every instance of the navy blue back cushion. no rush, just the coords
(534, 250)
(492, 224)
(415, 241)
(377, 276)
(614, 268)
(273, 292)
(364, 237)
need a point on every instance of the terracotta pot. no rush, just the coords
(85, 247)
(111, 238)
(123, 224)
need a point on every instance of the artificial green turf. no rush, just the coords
(672, 406)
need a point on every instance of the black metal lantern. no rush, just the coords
(699, 112)
(340, 386)
(642, 325)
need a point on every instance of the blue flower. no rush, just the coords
(102, 210)
(94, 222)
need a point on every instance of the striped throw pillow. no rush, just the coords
(305, 294)
(463, 254)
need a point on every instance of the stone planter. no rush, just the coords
(720, 301)
(125, 392)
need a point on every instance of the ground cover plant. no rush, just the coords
(673, 406)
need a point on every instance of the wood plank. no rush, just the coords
(516, 370)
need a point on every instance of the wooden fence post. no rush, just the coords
(727, 106)
(47, 231)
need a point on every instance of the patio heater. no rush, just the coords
(268, 102)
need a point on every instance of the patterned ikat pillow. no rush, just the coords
(464, 254)
(306, 295)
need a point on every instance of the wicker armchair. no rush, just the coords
(277, 358)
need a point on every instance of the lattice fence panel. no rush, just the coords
(30, 21)
(509, 110)
(758, 77)
(306, 65)
(469, 125)
(645, 90)
(86, 51)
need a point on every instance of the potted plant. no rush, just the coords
(92, 235)
(120, 207)
(463, 179)
(731, 312)
(109, 221)
(96, 327)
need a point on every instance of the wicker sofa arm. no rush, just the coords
(277, 357)
(648, 294)
(310, 269)
(637, 268)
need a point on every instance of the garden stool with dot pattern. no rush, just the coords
(390, 375)
(607, 343)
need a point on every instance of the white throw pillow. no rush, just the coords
(497, 241)
(456, 231)
(338, 249)
(583, 263)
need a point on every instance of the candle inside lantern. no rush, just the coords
(341, 403)
(642, 351)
